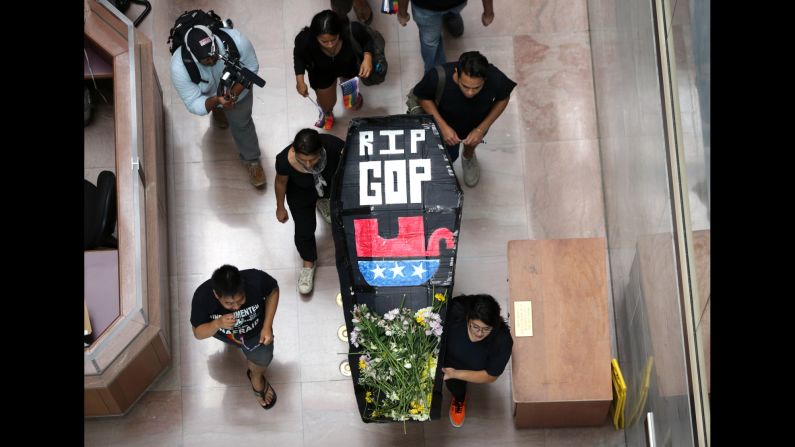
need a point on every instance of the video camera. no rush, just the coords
(234, 73)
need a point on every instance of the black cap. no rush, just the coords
(200, 43)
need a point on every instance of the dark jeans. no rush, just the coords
(458, 388)
(302, 209)
(452, 151)
(341, 7)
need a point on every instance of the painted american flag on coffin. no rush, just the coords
(403, 259)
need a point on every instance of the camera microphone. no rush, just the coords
(251, 76)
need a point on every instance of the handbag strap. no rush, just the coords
(357, 49)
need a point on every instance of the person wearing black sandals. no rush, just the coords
(237, 307)
(324, 50)
(479, 345)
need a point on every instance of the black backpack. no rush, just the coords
(413, 103)
(378, 73)
(186, 21)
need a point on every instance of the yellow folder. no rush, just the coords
(619, 396)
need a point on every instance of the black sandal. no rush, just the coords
(262, 394)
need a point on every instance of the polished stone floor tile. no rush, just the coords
(554, 71)
(547, 16)
(156, 419)
(232, 415)
(331, 419)
(568, 204)
(483, 275)
(488, 420)
(604, 436)
(319, 319)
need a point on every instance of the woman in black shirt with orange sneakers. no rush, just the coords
(479, 345)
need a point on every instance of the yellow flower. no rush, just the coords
(421, 320)
(362, 365)
(369, 398)
(416, 408)
(439, 297)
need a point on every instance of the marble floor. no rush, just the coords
(540, 179)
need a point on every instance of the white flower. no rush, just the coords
(407, 371)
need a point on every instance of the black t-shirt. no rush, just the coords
(490, 354)
(258, 285)
(308, 55)
(461, 113)
(437, 5)
(302, 184)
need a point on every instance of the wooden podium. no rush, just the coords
(561, 373)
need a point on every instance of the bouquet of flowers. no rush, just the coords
(397, 365)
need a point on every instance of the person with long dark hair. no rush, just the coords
(479, 345)
(304, 173)
(324, 50)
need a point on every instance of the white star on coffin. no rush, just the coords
(375, 274)
(379, 271)
(397, 270)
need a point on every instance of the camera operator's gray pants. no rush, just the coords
(241, 124)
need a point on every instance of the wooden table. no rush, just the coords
(560, 374)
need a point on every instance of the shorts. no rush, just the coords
(260, 355)
(320, 80)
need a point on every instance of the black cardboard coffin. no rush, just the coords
(396, 211)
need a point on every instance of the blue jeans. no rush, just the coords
(430, 25)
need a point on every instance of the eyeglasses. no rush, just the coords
(479, 330)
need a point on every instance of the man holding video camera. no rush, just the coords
(220, 90)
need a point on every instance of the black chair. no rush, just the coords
(99, 212)
(124, 5)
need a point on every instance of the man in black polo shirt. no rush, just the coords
(475, 94)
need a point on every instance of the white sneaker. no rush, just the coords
(306, 281)
(324, 206)
(471, 170)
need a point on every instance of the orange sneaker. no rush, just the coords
(457, 411)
